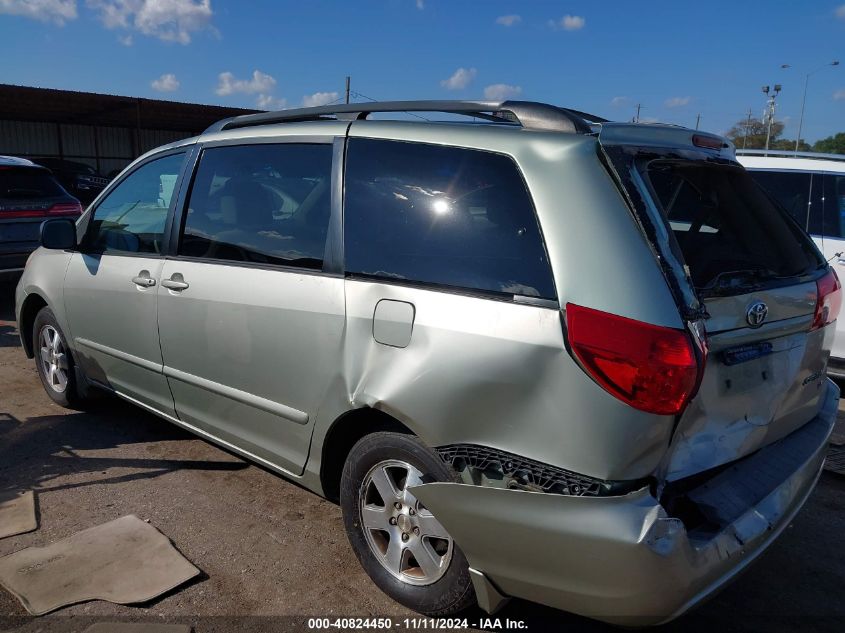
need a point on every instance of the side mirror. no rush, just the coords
(59, 234)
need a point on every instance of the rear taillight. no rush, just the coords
(66, 208)
(60, 209)
(649, 367)
(828, 300)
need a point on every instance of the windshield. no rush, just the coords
(728, 230)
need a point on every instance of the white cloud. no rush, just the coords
(126, 40)
(166, 83)
(319, 99)
(168, 20)
(228, 84)
(508, 20)
(840, 12)
(618, 102)
(55, 11)
(677, 102)
(500, 92)
(269, 102)
(460, 79)
(420, 4)
(569, 23)
(839, 95)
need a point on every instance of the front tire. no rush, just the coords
(54, 360)
(399, 543)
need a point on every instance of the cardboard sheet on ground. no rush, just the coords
(137, 627)
(123, 561)
(17, 513)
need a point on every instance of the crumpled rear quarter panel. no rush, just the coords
(497, 374)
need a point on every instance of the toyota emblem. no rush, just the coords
(756, 313)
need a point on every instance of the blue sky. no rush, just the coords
(677, 58)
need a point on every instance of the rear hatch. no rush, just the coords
(747, 280)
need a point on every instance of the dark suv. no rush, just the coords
(81, 180)
(28, 195)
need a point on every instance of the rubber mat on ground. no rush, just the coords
(17, 513)
(124, 561)
(835, 461)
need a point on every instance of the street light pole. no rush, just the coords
(804, 98)
(770, 111)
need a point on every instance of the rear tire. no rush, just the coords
(54, 361)
(398, 542)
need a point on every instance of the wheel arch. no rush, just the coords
(31, 306)
(343, 434)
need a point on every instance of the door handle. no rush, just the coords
(144, 280)
(176, 282)
(841, 261)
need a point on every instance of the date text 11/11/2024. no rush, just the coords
(431, 624)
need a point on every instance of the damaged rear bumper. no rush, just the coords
(623, 559)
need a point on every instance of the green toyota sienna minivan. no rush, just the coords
(531, 352)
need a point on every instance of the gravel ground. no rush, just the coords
(272, 554)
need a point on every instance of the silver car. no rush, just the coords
(533, 353)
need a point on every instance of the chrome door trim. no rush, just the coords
(129, 358)
(270, 139)
(208, 436)
(270, 406)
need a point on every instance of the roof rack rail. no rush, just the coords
(529, 114)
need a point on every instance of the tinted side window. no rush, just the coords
(131, 218)
(442, 215)
(799, 193)
(834, 206)
(791, 190)
(267, 204)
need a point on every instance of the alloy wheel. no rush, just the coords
(54, 360)
(403, 535)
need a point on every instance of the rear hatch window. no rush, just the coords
(27, 183)
(730, 234)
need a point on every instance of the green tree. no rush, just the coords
(788, 143)
(831, 145)
(752, 134)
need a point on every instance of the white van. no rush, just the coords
(812, 188)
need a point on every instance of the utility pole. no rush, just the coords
(697, 120)
(769, 112)
(637, 118)
(747, 126)
(348, 82)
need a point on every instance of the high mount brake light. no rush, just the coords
(708, 142)
(828, 301)
(649, 367)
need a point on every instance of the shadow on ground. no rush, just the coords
(47, 448)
